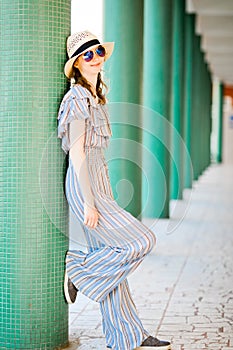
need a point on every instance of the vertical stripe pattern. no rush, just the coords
(119, 243)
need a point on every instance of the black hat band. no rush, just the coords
(85, 46)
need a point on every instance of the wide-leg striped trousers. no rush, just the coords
(101, 275)
(116, 248)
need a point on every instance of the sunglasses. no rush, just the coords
(89, 55)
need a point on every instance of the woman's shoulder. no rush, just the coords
(76, 92)
(80, 92)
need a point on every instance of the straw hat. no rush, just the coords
(80, 42)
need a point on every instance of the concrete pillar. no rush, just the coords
(177, 100)
(33, 220)
(156, 96)
(124, 25)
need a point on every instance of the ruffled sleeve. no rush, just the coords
(79, 104)
(75, 105)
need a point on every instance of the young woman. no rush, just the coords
(117, 242)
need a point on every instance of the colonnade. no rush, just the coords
(174, 81)
(158, 77)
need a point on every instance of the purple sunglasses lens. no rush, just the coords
(100, 51)
(88, 56)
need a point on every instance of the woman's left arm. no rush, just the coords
(78, 158)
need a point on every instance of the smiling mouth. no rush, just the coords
(95, 65)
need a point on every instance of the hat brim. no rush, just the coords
(68, 69)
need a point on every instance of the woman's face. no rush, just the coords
(92, 67)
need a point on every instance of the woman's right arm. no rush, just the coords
(78, 158)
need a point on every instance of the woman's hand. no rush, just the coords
(91, 216)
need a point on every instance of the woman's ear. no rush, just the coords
(76, 63)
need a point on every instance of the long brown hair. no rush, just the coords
(100, 85)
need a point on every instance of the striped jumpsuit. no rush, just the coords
(118, 244)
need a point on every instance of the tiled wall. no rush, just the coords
(33, 210)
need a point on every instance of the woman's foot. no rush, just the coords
(70, 291)
(152, 343)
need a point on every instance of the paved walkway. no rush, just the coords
(184, 289)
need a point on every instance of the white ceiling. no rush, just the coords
(214, 22)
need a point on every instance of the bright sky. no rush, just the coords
(87, 14)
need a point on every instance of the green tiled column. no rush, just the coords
(201, 115)
(196, 132)
(209, 87)
(33, 211)
(188, 101)
(124, 25)
(220, 123)
(201, 104)
(156, 96)
(177, 161)
(205, 113)
(197, 105)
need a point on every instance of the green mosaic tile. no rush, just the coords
(33, 314)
